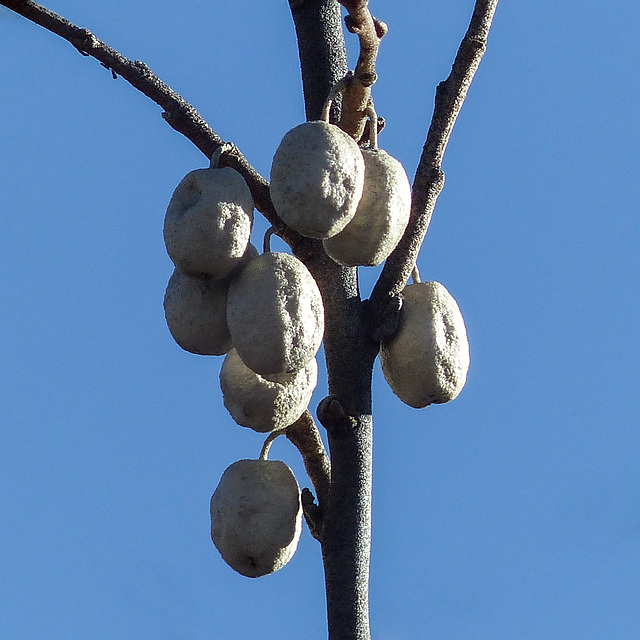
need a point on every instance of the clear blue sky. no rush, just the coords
(512, 513)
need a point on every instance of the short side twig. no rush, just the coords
(429, 178)
(178, 113)
(356, 98)
(304, 434)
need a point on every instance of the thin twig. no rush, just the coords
(178, 113)
(305, 436)
(429, 178)
(356, 98)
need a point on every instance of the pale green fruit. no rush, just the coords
(275, 314)
(265, 404)
(195, 309)
(317, 176)
(208, 222)
(381, 217)
(256, 516)
(427, 359)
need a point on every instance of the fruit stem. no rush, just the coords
(269, 441)
(266, 242)
(373, 125)
(415, 275)
(337, 88)
(225, 147)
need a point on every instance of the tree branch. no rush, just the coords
(357, 95)
(178, 113)
(304, 434)
(346, 515)
(429, 178)
(323, 58)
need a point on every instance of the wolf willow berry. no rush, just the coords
(256, 516)
(427, 359)
(381, 217)
(265, 404)
(208, 222)
(275, 314)
(317, 177)
(195, 308)
(195, 311)
(383, 211)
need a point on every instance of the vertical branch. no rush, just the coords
(346, 513)
(346, 415)
(323, 58)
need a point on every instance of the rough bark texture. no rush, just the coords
(323, 58)
(341, 520)
(346, 514)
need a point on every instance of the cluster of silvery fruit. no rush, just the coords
(265, 312)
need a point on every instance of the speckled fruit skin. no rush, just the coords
(275, 314)
(381, 216)
(256, 516)
(426, 361)
(265, 404)
(195, 308)
(196, 314)
(208, 222)
(317, 177)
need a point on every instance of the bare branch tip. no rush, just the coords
(381, 28)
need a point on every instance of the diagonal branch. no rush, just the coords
(429, 179)
(178, 113)
(304, 434)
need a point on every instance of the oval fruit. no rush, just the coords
(381, 217)
(265, 404)
(427, 359)
(196, 313)
(256, 516)
(275, 314)
(195, 308)
(317, 176)
(208, 222)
